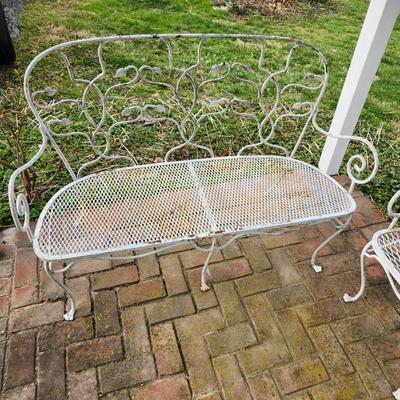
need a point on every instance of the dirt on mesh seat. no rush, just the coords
(167, 202)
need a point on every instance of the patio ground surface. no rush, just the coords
(271, 328)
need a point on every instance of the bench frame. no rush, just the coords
(358, 169)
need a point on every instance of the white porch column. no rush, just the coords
(375, 33)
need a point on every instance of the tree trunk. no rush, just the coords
(7, 52)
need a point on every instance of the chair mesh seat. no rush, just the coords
(170, 202)
(386, 243)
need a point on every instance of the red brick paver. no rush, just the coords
(269, 328)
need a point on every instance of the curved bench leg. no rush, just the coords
(395, 290)
(69, 315)
(318, 268)
(204, 287)
(346, 297)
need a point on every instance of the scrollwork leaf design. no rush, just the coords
(120, 73)
(214, 103)
(202, 91)
(216, 69)
(300, 106)
(50, 92)
(126, 112)
(160, 108)
(310, 77)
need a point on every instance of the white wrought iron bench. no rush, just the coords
(384, 247)
(212, 107)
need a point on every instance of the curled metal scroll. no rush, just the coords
(391, 211)
(357, 163)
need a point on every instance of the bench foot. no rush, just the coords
(69, 315)
(204, 287)
(317, 268)
(340, 229)
(346, 297)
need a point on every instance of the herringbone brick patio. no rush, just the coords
(270, 328)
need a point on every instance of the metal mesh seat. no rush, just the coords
(386, 244)
(171, 202)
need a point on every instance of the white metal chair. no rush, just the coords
(385, 248)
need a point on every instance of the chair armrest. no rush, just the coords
(357, 162)
(391, 212)
(19, 205)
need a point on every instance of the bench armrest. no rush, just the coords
(357, 162)
(19, 205)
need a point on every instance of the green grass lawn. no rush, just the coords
(46, 23)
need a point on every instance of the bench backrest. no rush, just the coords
(115, 101)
